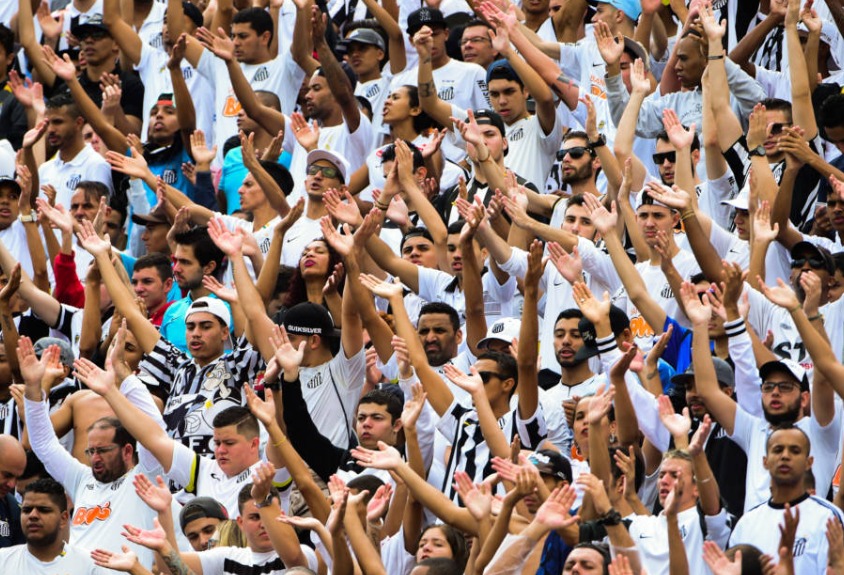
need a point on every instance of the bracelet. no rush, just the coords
(280, 443)
(718, 57)
(794, 309)
(816, 317)
(704, 480)
(686, 215)
(381, 206)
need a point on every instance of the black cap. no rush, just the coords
(430, 17)
(200, 508)
(309, 319)
(93, 24)
(814, 252)
(618, 321)
(7, 182)
(487, 116)
(549, 462)
(193, 13)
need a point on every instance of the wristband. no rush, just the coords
(816, 317)
(718, 57)
(794, 309)
(266, 502)
(28, 218)
(381, 206)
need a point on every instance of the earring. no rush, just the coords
(612, 438)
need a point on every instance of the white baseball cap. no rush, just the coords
(505, 329)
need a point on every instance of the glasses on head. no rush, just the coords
(92, 451)
(783, 386)
(777, 127)
(473, 40)
(486, 376)
(660, 157)
(813, 263)
(327, 171)
(575, 153)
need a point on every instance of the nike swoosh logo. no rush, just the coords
(288, 240)
(598, 64)
(559, 282)
(643, 536)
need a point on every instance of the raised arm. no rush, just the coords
(529, 335)
(27, 38)
(337, 80)
(275, 195)
(801, 95)
(431, 103)
(395, 36)
(127, 39)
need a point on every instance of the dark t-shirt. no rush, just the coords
(10, 522)
(131, 100)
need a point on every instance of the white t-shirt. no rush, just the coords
(552, 400)
(757, 527)
(71, 561)
(331, 391)
(153, 26)
(751, 434)
(460, 83)
(583, 63)
(64, 176)
(281, 76)
(376, 92)
(152, 68)
(436, 285)
(239, 560)
(300, 234)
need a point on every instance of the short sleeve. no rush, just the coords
(743, 429)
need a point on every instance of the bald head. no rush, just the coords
(12, 463)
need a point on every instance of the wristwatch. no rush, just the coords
(610, 518)
(757, 151)
(601, 141)
(267, 502)
(30, 217)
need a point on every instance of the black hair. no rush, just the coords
(456, 227)
(456, 542)
(697, 278)
(576, 200)
(441, 308)
(34, 467)
(122, 437)
(838, 260)
(51, 488)
(93, 189)
(778, 104)
(245, 423)
(366, 482)
(380, 397)
(157, 260)
(638, 462)
(477, 22)
(118, 203)
(575, 134)
(506, 365)
(204, 249)
(415, 232)
(663, 136)
(570, 313)
(298, 292)
(422, 122)
(365, 105)
(269, 99)
(7, 40)
(832, 112)
(279, 174)
(64, 100)
(602, 550)
(505, 73)
(788, 427)
(388, 154)
(441, 566)
(259, 19)
(230, 144)
(245, 496)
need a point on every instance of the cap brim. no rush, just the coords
(682, 379)
(144, 220)
(585, 353)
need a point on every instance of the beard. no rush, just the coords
(581, 174)
(789, 416)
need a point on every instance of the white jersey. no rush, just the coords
(152, 69)
(240, 560)
(375, 92)
(751, 434)
(460, 83)
(64, 176)
(559, 432)
(331, 391)
(757, 527)
(438, 286)
(71, 561)
(583, 63)
(203, 477)
(650, 533)
(300, 234)
(765, 316)
(281, 76)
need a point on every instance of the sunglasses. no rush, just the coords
(777, 127)
(813, 263)
(660, 158)
(783, 386)
(575, 153)
(327, 171)
(486, 376)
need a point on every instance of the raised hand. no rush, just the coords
(604, 220)
(334, 524)
(154, 538)
(377, 506)
(134, 167)
(200, 151)
(96, 379)
(600, 405)
(672, 501)
(679, 136)
(476, 498)
(593, 309)
(718, 562)
(471, 383)
(697, 311)
(32, 369)
(757, 127)
(262, 481)
(382, 288)
(677, 424)
(782, 295)
(157, 496)
(639, 82)
(342, 244)
(12, 285)
(570, 266)
(386, 458)
(335, 280)
(554, 513)
(346, 212)
(673, 197)
(423, 40)
(291, 218)
(714, 30)
(306, 134)
(58, 216)
(289, 358)
(536, 264)
(413, 407)
(111, 99)
(229, 243)
(116, 561)
(117, 357)
(62, 67)
(762, 230)
(262, 409)
(611, 47)
(698, 441)
(218, 44)
(33, 135)
(214, 285)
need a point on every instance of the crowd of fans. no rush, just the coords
(451, 287)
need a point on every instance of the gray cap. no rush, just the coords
(723, 373)
(66, 355)
(365, 36)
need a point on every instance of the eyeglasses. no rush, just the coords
(574, 153)
(777, 127)
(487, 376)
(813, 263)
(783, 386)
(660, 158)
(473, 40)
(92, 451)
(327, 171)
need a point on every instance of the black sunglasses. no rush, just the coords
(486, 376)
(777, 127)
(662, 156)
(576, 152)
(327, 171)
(813, 262)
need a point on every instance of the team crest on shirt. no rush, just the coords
(315, 381)
(169, 176)
(799, 547)
(73, 181)
(446, 94)
(5, 529)
(667, 292)
(516, 135)
(261, 74)
(373, 90)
